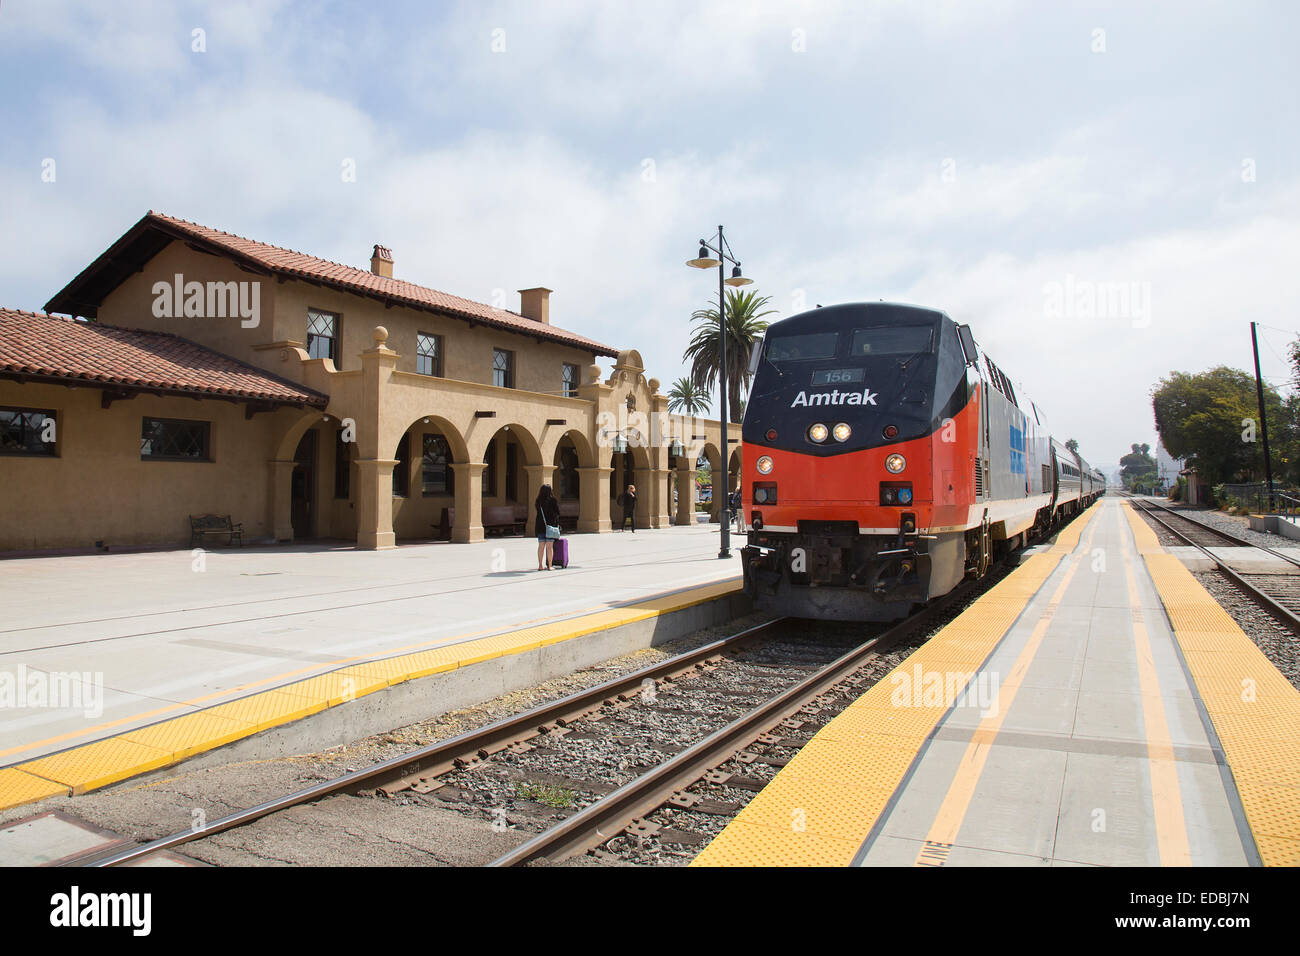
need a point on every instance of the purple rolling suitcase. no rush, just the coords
(561, 556)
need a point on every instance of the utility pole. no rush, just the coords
(1263, 420)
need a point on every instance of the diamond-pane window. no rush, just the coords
(503, 368)
(174, 440)
(570, 381)
(27, 431)
(428, 354)
(322, 334)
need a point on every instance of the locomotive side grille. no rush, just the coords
(979, 480)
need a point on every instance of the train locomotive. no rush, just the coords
(885, 460)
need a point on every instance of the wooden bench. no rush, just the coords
(498, 519)
(569, 511)
(202, 525)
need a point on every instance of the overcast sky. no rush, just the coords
(1105, 192)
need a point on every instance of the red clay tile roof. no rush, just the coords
(300, 265)
(52, 347)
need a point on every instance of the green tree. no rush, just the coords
(1137, 469)
(1211, 419)
(744, 325)
(687, 397)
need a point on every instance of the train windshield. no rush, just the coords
(802, 348)
(891, 340)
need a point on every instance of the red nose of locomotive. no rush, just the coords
(875, 488)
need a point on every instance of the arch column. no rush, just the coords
(468, 525)
(282, 499)
(593, 492)
(685, 491)
(661, 500)
(538, 475)
(374, 501)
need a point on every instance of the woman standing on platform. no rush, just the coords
(546, 526)
(628, 500)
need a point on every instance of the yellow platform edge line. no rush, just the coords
(1255, 710)
(819, 808)
(110, 760)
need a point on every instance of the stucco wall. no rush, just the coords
(99, 489)
(283, 318)
(131, 306)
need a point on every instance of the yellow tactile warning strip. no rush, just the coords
(138, 751)
(1254, 709)
(823, 803)
(18, 787)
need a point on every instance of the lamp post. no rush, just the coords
(704, 261)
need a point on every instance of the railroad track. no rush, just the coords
(1278, 594)
(783, 686)
(418, 769)
(757, 667)
(795, 710)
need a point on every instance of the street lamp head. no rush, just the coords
(703, 261)
(737, 279)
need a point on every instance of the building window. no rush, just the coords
(436, 474)
(570, 381)
(490, 472)
(342, 466)
(503, 368)
(428, 354)
(27, 431)
(322, 335)
(402, 470)
(169, 439)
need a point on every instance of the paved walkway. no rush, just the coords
(93, 645)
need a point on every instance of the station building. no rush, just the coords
(194, 372)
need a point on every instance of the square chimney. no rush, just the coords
(535, 304)
(381, 262)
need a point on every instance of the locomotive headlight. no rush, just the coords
(818, 433)
(764, 465)
(842, 432)
(895, 463)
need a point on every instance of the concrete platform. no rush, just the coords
(114, 665)
(1096, 707)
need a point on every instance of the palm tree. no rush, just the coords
(744, 325)
(687, 397)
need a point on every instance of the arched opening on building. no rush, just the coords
(630, 467)
(708, 482)
(572, 454)
(733, 470)
(510, 480)
(303, 493)
(424, 480)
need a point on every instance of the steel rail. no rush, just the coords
(1152, 507)
(612, 814)
(440, 757)
(1282, 613)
